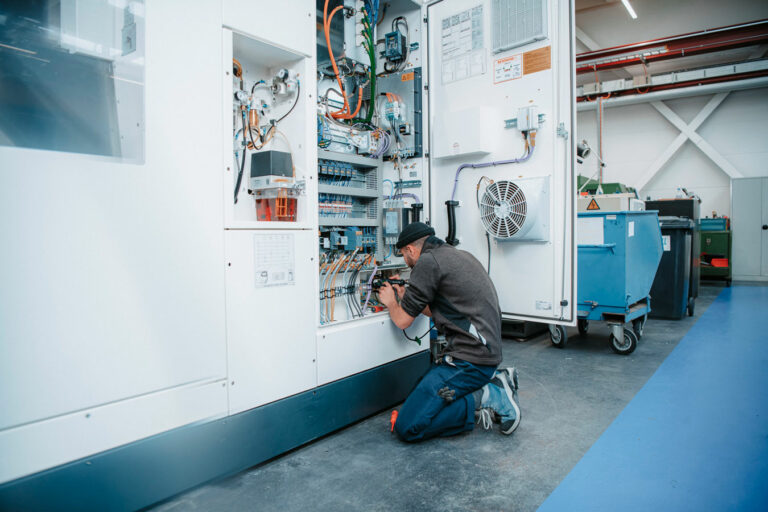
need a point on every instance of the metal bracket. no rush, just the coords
(561, 131)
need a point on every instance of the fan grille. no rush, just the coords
(503, 209)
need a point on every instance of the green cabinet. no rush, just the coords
(715, 244)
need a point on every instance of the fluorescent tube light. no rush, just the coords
(630, 10)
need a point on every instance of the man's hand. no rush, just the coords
(399, 317)
(387, 295)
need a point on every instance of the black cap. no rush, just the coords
(413, 232)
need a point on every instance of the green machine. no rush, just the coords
(608, 188)
(716, 262)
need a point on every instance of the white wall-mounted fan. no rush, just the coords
(517, 210)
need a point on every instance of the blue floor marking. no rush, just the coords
(696, 435)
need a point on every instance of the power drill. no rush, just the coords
(377, 283)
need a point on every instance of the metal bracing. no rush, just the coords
(688, 132)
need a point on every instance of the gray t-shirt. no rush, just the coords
(462, 299)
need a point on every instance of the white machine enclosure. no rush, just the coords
(131, 302)
(112, 313)
(535, 280)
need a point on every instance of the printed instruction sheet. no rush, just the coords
(462, 45)
(274, 260)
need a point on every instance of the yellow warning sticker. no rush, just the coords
(593, 205)
(407, 76)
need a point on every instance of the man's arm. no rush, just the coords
(398, 315)
(400, 290)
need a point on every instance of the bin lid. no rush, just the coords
(675, 222)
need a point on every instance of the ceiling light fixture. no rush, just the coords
(630, 10)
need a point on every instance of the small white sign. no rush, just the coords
(632, 228)
(544, 305)
(274, 263)
(667, 243)
(590, 230)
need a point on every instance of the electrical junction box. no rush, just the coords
(467, 132)
(528, 118)
(394, 218)
(394, 46)
(406, 113)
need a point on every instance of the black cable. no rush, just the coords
(250, 134)
(418, 339)
(488, 239)
(242, 162)
(397, 21)
(487, 236)
(298, 92)
(260, 82)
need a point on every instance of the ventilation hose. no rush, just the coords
(451, 238)
(416, 211)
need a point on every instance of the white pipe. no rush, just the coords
(696, 90)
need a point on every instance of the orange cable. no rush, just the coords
(327, 28)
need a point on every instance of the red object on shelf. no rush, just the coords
(280, 208)
(720, 262)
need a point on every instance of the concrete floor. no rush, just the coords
(568, 398)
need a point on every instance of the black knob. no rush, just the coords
(765, 226)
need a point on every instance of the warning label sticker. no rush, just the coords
(508, 68)
(593, 205)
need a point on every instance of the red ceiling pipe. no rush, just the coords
(710, 40)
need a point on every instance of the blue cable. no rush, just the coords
(392, 184)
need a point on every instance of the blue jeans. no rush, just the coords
(425, 414)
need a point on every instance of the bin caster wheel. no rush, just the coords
(625, 346)
(583, 326)
(558, 335)
(638, 324)
(691, 306)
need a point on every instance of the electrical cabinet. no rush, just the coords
(501, 109)
(238, 266)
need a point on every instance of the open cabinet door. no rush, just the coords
(501, 132)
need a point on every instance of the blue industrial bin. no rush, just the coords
(619, 253)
